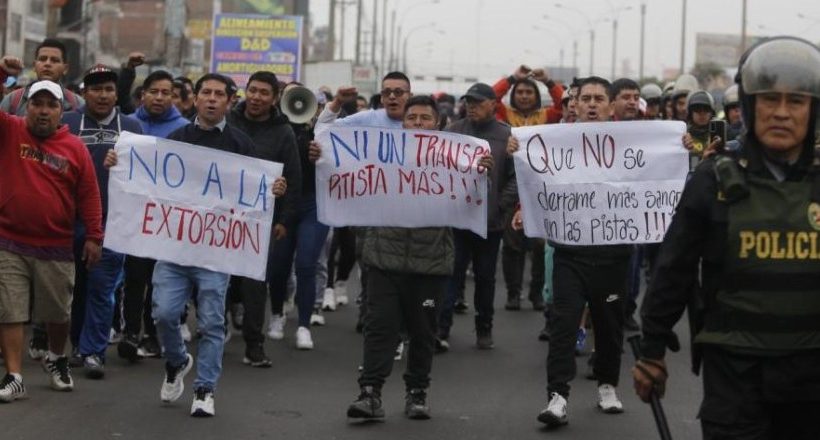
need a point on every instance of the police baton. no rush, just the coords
(654, 400)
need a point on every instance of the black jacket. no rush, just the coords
(503, 175)
(276, 142)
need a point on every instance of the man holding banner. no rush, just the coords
(593, 190)
(410, 264)
(198, 201)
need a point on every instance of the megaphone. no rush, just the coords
(299, 104)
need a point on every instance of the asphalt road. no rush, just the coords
(493, 394)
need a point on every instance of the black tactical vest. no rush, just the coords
(769, 298)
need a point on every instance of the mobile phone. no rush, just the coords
(717, 128)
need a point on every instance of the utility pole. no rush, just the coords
(384, 38)
(374, 34)
(592, 49)
(343, 4)
(643, 25)
(614, 45)
(743, 32)
(575, 56)
(331, 33)
(683, 39)
(392, 40)
(358, 31)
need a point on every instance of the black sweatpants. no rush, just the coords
(603, 287)
(344, 242)
(513, 261)
(760, 398)
(254, 295)
(393, 298)
(137, 299)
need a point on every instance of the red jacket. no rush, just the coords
(45, 186)
(515, 118)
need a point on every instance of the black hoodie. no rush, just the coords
(275, 141)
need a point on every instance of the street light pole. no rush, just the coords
(743, 32)
(358, 32)
(389, 63)
(683, 39)
(404, 45)
(591, 48)
(614, 45)
(643, 24)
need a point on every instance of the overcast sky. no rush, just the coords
(488, 38)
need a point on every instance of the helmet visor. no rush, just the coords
(782, 66)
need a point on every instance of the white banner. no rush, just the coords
(600, 183)
(407, 178)
(190, 205)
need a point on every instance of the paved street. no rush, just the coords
(475, 394)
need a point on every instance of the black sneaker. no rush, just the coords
(415, 406)
(11, 389)
(513, 303)
(128, 348)
(59, 373)
(460, 306)
(484, 339)
(255, 356)
(149, 347)
(367, 406)
(537, 303)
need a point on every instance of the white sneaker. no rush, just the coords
(316, 318)
(340, 289)
(276, 327)
(186, 332)
(555, 414)
(608, 401)
(173, 385)
(329, 300)
(203, 405)
(303, 339)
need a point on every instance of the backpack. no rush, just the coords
(17, 98)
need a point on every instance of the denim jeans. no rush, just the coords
(92, 309)
(173, 285)
(484, 255)
(306, 242)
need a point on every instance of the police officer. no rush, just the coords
(751, 220)
(700, 109)
(731, 109)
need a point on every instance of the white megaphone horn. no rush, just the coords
(299, 104)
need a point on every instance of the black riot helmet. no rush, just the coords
(783, 65)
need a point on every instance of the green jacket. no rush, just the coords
(425, 251)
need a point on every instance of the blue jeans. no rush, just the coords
(306, 239)
(92, 309)
(484, 255)
(173, 285)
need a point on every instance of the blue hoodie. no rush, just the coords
(162, 126)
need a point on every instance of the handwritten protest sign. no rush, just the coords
(600, 183)
(408, 178)
(190, 205)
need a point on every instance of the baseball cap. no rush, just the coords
(480, 91)
(99, 73)
(45, 85)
